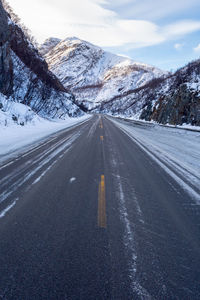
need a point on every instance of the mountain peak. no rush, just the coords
(94, 75)
(78, 41)
(72, 38)
(48, 44)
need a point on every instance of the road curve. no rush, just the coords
(88, 214)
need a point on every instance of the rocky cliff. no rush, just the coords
(5, 59)
(4, 28)
(181, 102)
(174, 99)
(24, 74)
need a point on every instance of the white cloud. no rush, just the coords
(197, 49)
(178, 46)
(152, 10)
(90, 20)
(181, 28)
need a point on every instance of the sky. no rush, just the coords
(162, 33)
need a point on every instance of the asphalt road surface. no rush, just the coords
(87, 214)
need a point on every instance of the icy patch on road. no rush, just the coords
(44, 173)
(129, 237)
(93, 128)
(46, 160)
(72, 179)
(6, 210)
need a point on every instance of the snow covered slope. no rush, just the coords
(111, 84)
(174, 100)
(25, 80)
(93, 75)
(48, 45)
(175, 150)
(20, 127)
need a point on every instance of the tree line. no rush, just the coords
(16, 19)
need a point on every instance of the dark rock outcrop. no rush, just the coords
(5, 59)
(174, 99)
(31, 58)
(4, 28)
(24, 74)
(6, 70)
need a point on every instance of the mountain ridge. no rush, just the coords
(172, 100)
(94, 75)
(121, 86)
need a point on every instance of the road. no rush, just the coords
(88, 214)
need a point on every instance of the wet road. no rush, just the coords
(87, 214)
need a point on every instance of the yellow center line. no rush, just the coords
(102, 204)
(101, 124)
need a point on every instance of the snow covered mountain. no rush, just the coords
(48, 45)
(93, 75)
(111, 84)
(26, 80)
(85, 77)
(174, 99)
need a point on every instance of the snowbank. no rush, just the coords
(136, 118)
(14, 138)
(177, 151)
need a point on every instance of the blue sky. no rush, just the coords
(162, 33)
(173, 52)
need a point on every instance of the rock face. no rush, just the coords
(5, 60)
(31, 58)
(6, 68)
(24, 74)
(174, 99)
(4, 28)
(93, 75)
(182, 107)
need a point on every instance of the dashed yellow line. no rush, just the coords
(101, 124)
(102, 204)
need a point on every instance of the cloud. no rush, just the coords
(197, 48)
(178, 46)
(181, 28)
(92, 20)
(152, 10)
(129, 33)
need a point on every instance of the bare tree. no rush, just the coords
(15, 18)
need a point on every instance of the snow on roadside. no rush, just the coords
(12, 113)
(15, 137)
(179, 149)
(136, 118)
